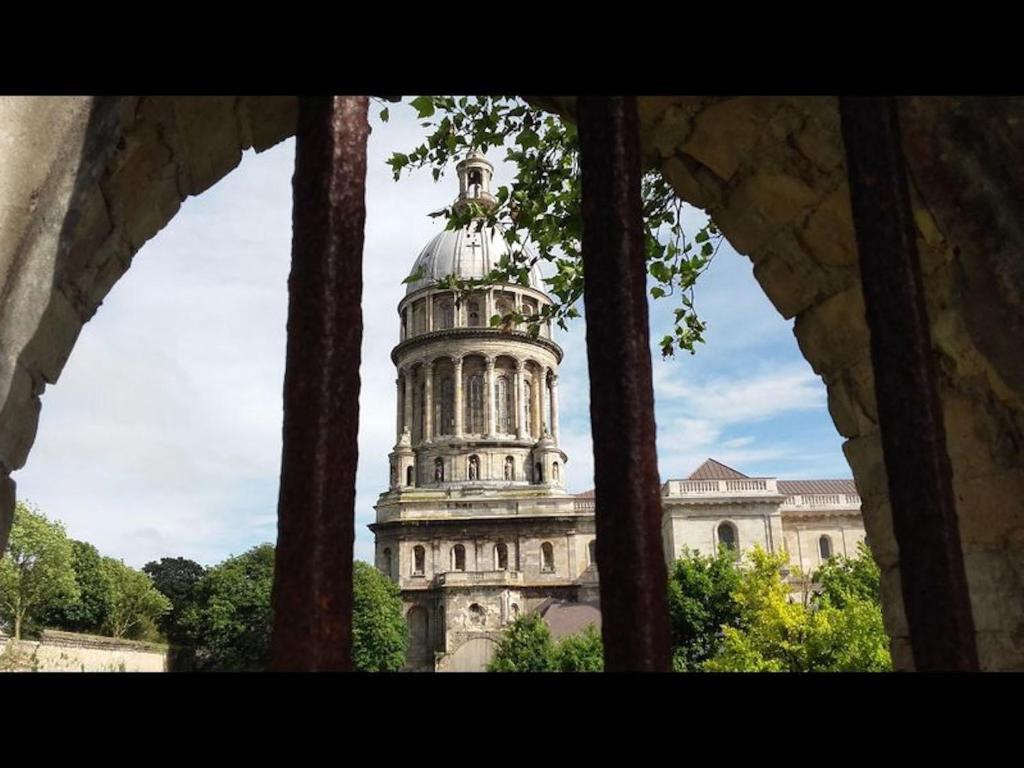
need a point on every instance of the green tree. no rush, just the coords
(36, 572)
(135, 603)
(176, 578)
(379, 632)
(88, 613)
(777, 634)
(701, 603)
(582, 652)
(229, 620)
(543, 205)
(844, 580)
(525, 647)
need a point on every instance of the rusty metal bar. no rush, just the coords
(316, 506)
(934, 583)
(630, 558)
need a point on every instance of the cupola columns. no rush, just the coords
(554, 406)
(459, 406)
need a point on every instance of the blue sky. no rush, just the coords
(163, 435)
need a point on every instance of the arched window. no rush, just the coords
(825, 547)
(475, 405)
(503, 404)
(458, 558)
(405, 328)
(421, 399)
(538, 473)
(515, 611)
(446, 315)
(385, 562)
(419, 634)
(510, 468)
(444, 413)
(419, 558)
(473, 472)
(592, 551)
(477, 615)
(501, 557)
(529, 408)
(554, 471)
(438, 470)
(473, 313)
(408, 475)
(727, 537)
(547, 557)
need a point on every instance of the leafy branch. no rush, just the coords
(542, 206)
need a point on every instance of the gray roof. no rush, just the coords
(715, 470)
(814, 487)
(565, 618)
(467, 253)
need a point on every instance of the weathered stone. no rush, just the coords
(209, 139)
(893, 612)
(693, 182)
(19, 419)
(267, 120)
(828, 230)
(725, 133)
(7, 497)
(833, 334)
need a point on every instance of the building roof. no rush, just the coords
(586, 495)
(814, 487)
(465, 253)
(565, 618)
(715, 470)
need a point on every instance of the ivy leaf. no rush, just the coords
(384, 115)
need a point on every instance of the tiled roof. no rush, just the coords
(586, 494)
(565, 618)
(715, 470)
(812, 487)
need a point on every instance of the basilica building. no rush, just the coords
(476, 527)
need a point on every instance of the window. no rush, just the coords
(547, 557)
(727, 536)
(444, 413)
(501, 557)
(477, 615)
(419, 556)
(538, 473)
(503, 404)
(458, 558)
(473, 313)
(385, 562)
(554, 471)
(446, 315)
(408, 475)
(825, 547)
(515, 611)
(510, 468)
(529, 408)
(592, 551)
(474, 468)
(438, 470)
(475, 405)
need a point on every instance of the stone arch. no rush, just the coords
(89, 180)
(473, 655)
(418, 621)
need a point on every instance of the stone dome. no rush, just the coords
(467, 253)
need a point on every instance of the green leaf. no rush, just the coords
(384, 115)
(424, 106)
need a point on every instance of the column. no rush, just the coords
(430, 313)
(428, 402)
(458, 405)
(554, 405)
(399, 410)
(488, 308)
(489, 409)
(520, 400)
(409, 331)
(409, 385)
(545, 424)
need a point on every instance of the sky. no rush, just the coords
(162, 437)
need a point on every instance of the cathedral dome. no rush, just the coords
(466, 253)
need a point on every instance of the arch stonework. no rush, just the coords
(88, 181)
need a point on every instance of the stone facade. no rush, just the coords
(476, 527)
(811, 520)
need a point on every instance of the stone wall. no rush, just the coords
(70, 652)
(87, 181)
